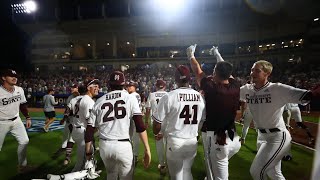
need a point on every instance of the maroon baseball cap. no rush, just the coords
(160, 83)
(117, 78)
(9, 72)
(182, 74)
(75, 86)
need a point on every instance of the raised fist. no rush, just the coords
(190, 51)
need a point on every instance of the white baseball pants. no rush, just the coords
(117, 158)
(17, 129)
(180, 157)
(78, 136)
(160, 147)
(271, 149)
(220, 154)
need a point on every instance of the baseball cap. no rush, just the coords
(75, 86)
(160, 83)
(9, 72)
(182, 74)
(117, 78)
(91, 82)
(132, 83)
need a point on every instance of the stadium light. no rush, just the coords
(168, 5)
(26, 7)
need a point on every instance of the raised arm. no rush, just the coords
(214, 51)
(195, 66)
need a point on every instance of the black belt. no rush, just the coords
(78, 126)
(12, 119)
(269, 130)
(115, 139)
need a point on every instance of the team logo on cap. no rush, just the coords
(117, 77)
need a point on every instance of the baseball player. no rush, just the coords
(81, 111)
(68, 142)
(178, 115)
(131, 88)
(112, 114)
(12, 99)
(49, 112)
(151, 107)
(221, 94)
(293, 110)
(266, 101)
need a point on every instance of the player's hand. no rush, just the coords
(146, 158)
(28, 122)
(214, 51)
(190, 51)
(62, 121)
(158, 136)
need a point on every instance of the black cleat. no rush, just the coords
(287, 158)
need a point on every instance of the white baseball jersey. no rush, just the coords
(112, 114)
(73, 105)
(180, 112)
(138, 98)
(154, 99)
(266, 104)
(10, 102)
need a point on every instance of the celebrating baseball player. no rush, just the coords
(112, 114)
(49, 112)
(177, 118)
(221, 94)
(266, 101)
(81, 111)
(68, 142)
(151, 107)
(12, 99)
(134, 136)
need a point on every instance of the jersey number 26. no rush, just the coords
(119, 111)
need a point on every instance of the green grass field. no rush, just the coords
(42, 146)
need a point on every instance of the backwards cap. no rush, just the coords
(182, 74)
(117, 78)
(160, 83)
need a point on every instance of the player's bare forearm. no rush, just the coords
(147, 154)
(196, 68)
(88, 150)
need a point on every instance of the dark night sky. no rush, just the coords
(14, 41)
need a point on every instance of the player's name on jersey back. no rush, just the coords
(113, 95)
(189, 97)
(159, 94)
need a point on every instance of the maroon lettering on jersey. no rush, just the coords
(222, 103)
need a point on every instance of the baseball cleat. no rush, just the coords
(25, 169)
(162, 169)
(287, 158)
(243, 141)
